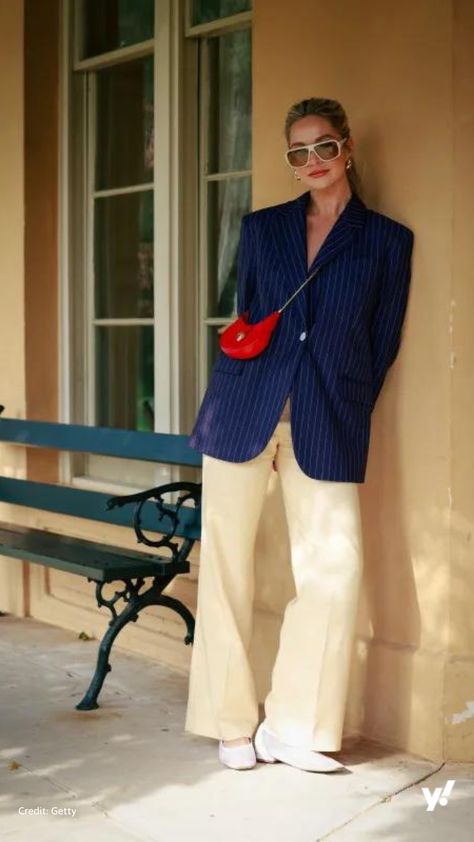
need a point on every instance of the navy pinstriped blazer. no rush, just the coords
(331, 347)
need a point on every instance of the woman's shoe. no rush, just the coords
(261, 751)
(237, 757)
(269, 749)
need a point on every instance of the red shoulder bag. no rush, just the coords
(242, 340)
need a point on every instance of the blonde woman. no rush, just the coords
(303, 406)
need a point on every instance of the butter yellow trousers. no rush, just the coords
(306, 703)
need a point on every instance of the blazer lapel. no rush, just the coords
(291, 242)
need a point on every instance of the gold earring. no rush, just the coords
(298, 177)
(348, 164)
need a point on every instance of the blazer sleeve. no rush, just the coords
(389, 314)
(246, 265)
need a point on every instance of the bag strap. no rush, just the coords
(299, 288)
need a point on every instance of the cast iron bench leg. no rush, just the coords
(134, 604)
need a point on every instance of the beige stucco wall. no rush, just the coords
(401, 70)
(459, 678)
(12, 337)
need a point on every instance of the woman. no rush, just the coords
(304, 407)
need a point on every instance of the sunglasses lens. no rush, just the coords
(328, 150)
(298, 157)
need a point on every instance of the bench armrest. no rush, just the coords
(155, 496)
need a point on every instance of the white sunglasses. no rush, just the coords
(299, 156)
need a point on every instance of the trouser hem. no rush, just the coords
(233, 734)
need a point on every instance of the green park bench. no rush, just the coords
(144, 575)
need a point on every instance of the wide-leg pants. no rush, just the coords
(306, 703)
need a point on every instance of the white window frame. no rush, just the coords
(180, 288)
(166, 47)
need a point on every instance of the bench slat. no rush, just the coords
(91, 505)
(102, 562)
(169, 448)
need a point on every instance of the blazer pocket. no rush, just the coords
(228, 365)
(356, 390)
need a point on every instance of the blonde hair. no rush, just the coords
(332, 111)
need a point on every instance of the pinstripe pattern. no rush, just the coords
(331, 348)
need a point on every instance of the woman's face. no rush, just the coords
(311, 129)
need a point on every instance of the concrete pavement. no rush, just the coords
(128, 771)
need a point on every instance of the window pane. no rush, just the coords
(110, 24)
(206, 10)
(227, 202)
(124, 125)
(123, 256)
(230, 102)
(124, 377)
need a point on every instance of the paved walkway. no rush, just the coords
(128, 771)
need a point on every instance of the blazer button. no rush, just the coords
(303, 336)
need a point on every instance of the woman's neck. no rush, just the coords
(328, 206)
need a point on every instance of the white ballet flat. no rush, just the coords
(237, 757)
(270, 749)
